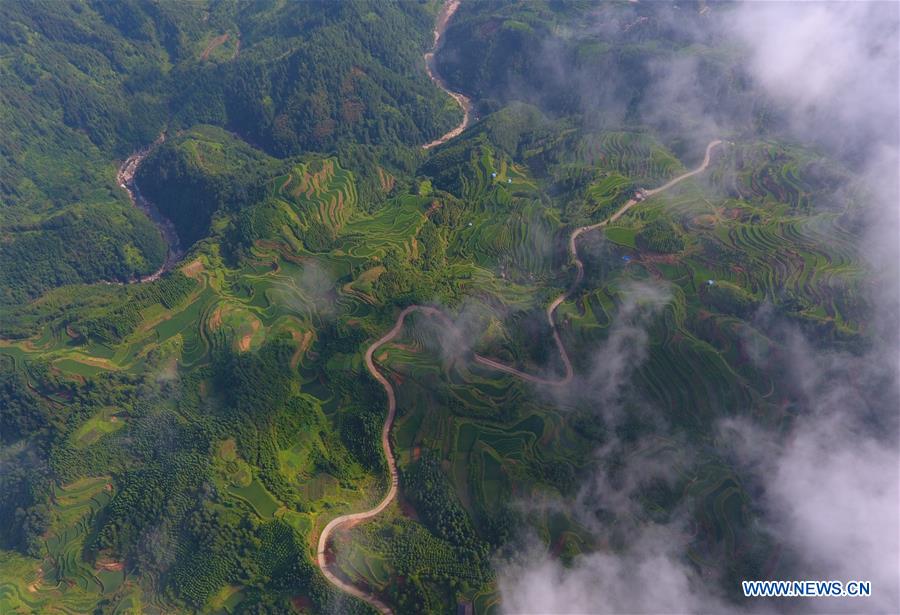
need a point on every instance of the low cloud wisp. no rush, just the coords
(825, 489)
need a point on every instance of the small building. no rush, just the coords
(494, 174)
(710, 282)
(508, 181)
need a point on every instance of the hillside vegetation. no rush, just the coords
(87, 83)
(179, 445)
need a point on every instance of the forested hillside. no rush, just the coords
(654, 65)
(86, 83)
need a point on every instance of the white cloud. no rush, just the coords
(833, 64)
(650, 576)
(828, 486)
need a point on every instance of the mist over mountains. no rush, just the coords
(829, 486)
(628, 338)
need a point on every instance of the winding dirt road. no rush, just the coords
(348, 520)
(461, 99)
(126, 173)
(125, 179)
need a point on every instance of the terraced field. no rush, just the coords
(631, 155)
(320, 192)
(64, 582)
(493, 449)
(528, 290)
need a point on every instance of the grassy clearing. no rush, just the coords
(104, 423)
(263, 503)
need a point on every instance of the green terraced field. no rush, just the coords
(201, 430)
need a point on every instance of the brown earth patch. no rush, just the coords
(110, 565)
(704, 220)
(193, 269)
(215, 321)
(212, 45)
(311, 184)
(244, 343)
(33, 587)
(371, 274)
(96, 362)
(667, 259)
(412, 348)
(385, 179)
(303, 339)
(348, 289)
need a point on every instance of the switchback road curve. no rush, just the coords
(351, 519)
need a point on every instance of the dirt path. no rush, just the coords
(354, 518)
(349, 520)
(647, 194)
(125, 179)
(462, 100)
